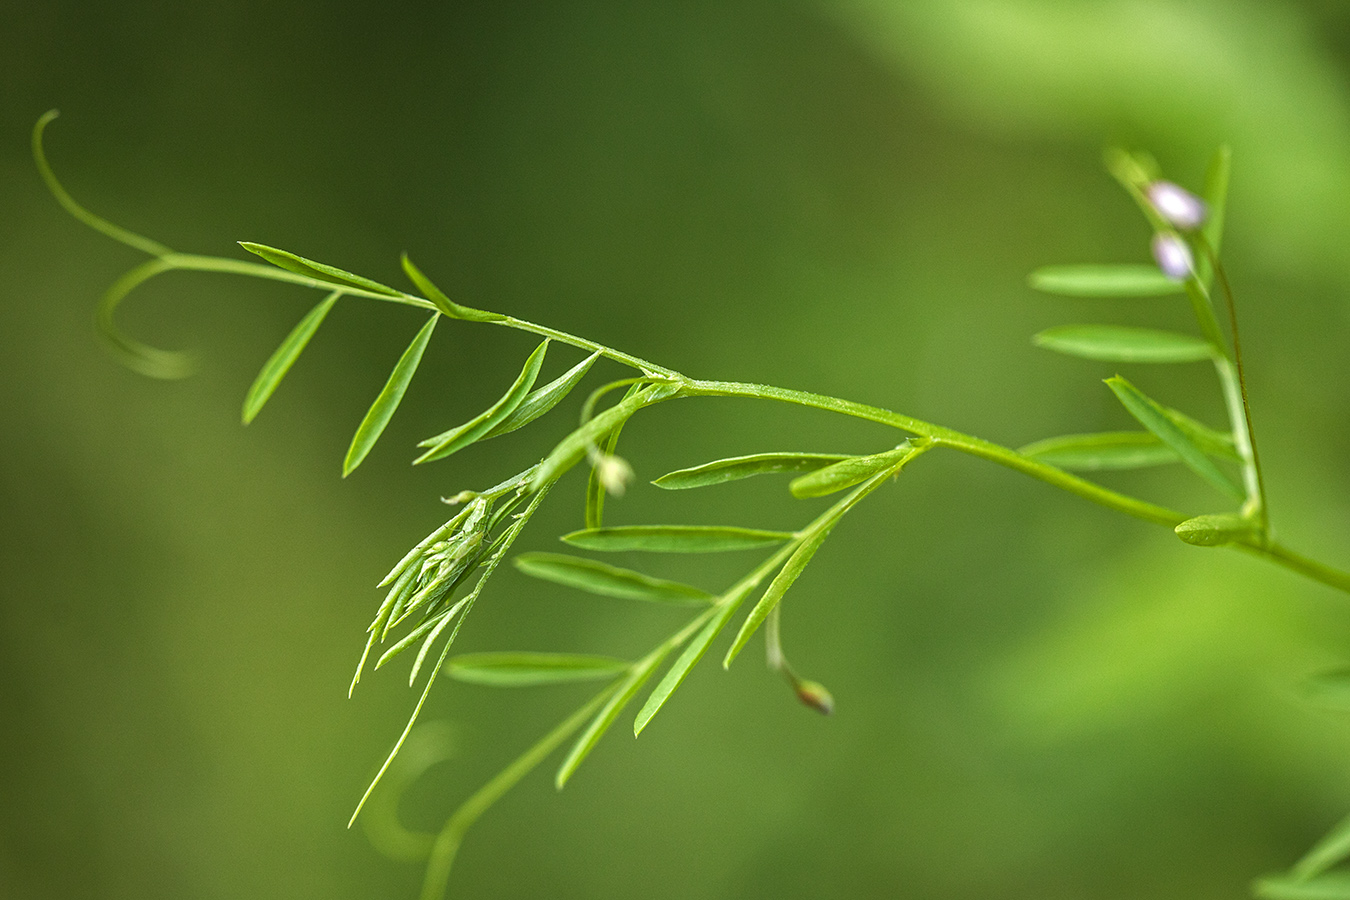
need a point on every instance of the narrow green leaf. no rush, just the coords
(785, 578)
(1215, 443)
(411, 638)
(609, 581)
(1120, 343)
(1101, 451)
(572, 449)
(401, 586)
(1332, 849)
(543, 399)
(637, 677)
(1330, 690)
(674, 538)
(528, 669)
(280, 362)
(284, 259)
(430, 640)
(1153, 417)
(446, 443)
(382, 410)
(846, 473)
(738, 467)
(1107, 280)
(679, 669)
(441, 301)
(1331, 886)
(1214, 530)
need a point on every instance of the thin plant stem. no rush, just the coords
(1262, 512)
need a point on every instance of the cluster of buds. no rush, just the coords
(1183, 211)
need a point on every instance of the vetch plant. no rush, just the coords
(430, 593)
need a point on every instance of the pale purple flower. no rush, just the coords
(1178, 206)
(1173, 256)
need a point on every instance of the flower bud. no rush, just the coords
(1173, 256)
(1178, 206)
(614, 473)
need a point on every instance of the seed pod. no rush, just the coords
(814, 695)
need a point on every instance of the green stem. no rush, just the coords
(1242, 427)
(946, 437)
(1297, 562)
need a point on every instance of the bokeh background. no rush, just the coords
(1036, 698)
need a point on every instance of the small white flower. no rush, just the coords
(1178, 206)
(1173, 256)
(613, 472)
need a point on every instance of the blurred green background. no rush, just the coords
(1036, 698)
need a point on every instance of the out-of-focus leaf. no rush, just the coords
(737, 467)
(1154, 417)
(529, 669)
(1330, 689)
(1332, 849)
(446, 844)
(1215, 443)
(609, 581)
(280, 362)
(674, 538)
(446, 443)
(1107, 280)
(1331, 886)
(1101, 451)
(846, 473)
(284, 259)
(382, 410)
(1121, 343)
(543, 399)
(1214, 530)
